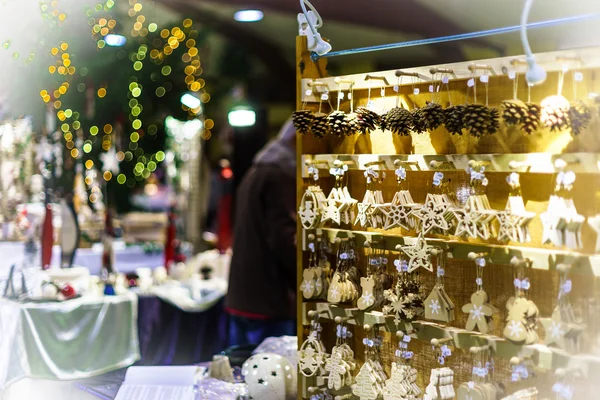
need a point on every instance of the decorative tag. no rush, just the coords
(445, 80)
(396, 88)
(349, 96)
(308, 92)
(471, 82)
(437, 88)
(484, 78)
(325, 96)
(416, 91)
(370, 105)
(341, 95)
(382, 92)
(430, 88)
(512, 75)
(578, 76)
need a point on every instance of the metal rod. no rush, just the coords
(462, 36)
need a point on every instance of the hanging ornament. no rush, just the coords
(513, 111)
(433, 115)
(438, 306)
(531, 120)
(340, 206)
(480, 311)
(436, 213)
(399, 121)
(313, 201)
(341, 364)
(476, 119)
(405, 300)
(367, 120)
(494, 124)
(371, 377)
(320, 126)
(419, 120)
(338, 123)
(418, 254)
(522, 313)
(514, 220)
(579, 116)
(302, 120)
(343, 287)
(555, 109)
(398, 213)
(441, 380)
(311, 355)
(453, 119)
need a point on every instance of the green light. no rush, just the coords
(152, 27)
(133, 103)
(160, 91)
(64, 127)
(137, 65)
(132, 86)
(87, 147)
(98, 7)
(83, 71)
(152, 166)
(135, 111)
(110, 3)
(81, 87)
(134, 137)
(137, 124)
(166, 70)
(101, 44)
(139, 167)
(76, 125)
(94, 130)
(68, 113)
(160, 156)
(96, 29)
(121, 179)
(133, 145)
(76, 115)
(152, 129)
(136, 92)
(146, 174)
(128, 156)
(139, 151)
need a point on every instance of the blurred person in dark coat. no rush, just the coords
(261, 300)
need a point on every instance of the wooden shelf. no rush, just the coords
(532, 162)
(545, 259)
(543, 356)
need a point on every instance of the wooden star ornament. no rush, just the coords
(418, 254)
(432, 215)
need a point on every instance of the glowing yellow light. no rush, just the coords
(172, 41)
(43, 93)
(62, 17)
(206, 134)
(89, 163)
(195, 86)
(120, 156)
(71, 70)
(74, 153)
(141, 19)
(64, 127)
(106, 146)
(67, 63)
(137, 7)
(190, 43)
(70, 145)
(164, 33)
(87, 147)
(107, 176)
(136, 92)
(104, 31)
(52, 69)
(108, 129)
(175, 45)
(154, 53)
(121, 179)
(76, 125)
(102, 21)
(152, 27)
(94, 130)
(62, 90)
(88, 180)
(101, 92)
(174, 30)
(189, 70)
(68, 136)
(134, 137)
(61, 115)
(62, 70)
(152, 166)
(64, 46)
(136, 124)
(209, 124)
(205, 97)
(54, 51)
(193, 51)
(46, 98)
(101, 44)
(168, 50)
(137, 26)
(112, 23)
(137, 65)
(160, 156)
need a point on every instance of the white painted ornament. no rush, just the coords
(270, 377)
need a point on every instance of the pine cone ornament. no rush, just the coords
(494, 122)
(453, 119)
(320, 126)
(513, 111)
(399, 121)
(302, 120)
(555, 113)
(338, 123)
(419, 120)
(580, 116)
(476, 119)
(434, 115)
(352, 120)
(531, 120)
(367, 120)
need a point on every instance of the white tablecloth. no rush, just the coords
(126, 259)
(75, 339)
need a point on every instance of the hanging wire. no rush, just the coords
(452, 38)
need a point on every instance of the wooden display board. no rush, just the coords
(533, 156)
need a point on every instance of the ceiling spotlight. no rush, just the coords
(115, 40)
(248, 15)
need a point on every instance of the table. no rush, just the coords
(127, 259)
(74, 339)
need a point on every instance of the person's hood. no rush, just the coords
(276, 153)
